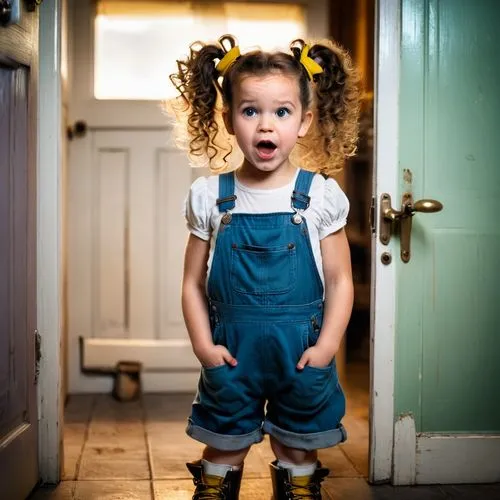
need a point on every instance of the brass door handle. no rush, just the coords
(425, 206)
(390, 216)
(78, 129)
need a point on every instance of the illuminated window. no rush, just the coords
(137, 43)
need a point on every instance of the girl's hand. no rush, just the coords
(215, 355)
(316, 357)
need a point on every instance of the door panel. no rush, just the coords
(13, 225)
(18, 415)
(449, 110)
(435, 378)
(110, 207)
(447, 378)
(126, 246)
(138, 186)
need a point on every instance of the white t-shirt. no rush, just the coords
(327, 212)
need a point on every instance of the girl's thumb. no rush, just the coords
(302, 362)
(228, 358)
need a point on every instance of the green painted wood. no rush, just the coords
(448, 296)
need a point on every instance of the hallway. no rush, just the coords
(137, 451)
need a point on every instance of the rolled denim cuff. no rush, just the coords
(308, 442)
(224, 442)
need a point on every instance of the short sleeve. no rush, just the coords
(196, 211)
(335, 209)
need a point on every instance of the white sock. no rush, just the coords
(217, 469)
(298, 470)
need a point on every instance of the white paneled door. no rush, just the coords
(126, 233)
(126, 242)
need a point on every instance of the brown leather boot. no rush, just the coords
(215, 487)
(286, 487)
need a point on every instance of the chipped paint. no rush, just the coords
(404, 415)
(405, 445)
(408, 177)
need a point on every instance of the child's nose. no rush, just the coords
(265, 122)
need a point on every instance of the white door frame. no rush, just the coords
(383, 307)
(49, 243)
(49, 249)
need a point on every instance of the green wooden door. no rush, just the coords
(447, 335)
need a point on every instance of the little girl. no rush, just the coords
(267, 289)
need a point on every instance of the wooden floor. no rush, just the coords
(138, 450)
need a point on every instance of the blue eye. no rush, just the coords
(282, 112)
(249, 112)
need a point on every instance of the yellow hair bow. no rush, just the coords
(311, 66)
(228, 60)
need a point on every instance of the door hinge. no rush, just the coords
(372, 216)
(38, 354)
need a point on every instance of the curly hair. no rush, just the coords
(333, 96)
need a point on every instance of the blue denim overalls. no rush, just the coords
(265, 300)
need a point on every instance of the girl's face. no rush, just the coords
(267, 118)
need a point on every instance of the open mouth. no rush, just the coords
(266, 149)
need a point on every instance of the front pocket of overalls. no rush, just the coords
(263, 270)
(221, 391)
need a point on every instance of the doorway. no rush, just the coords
(146, 439)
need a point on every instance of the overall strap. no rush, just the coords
(226, 198)
(300, 195)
